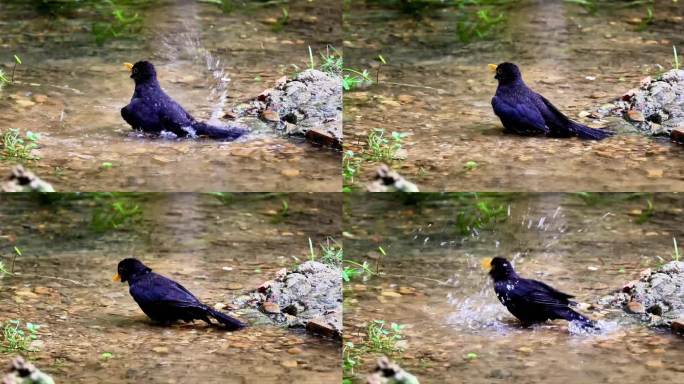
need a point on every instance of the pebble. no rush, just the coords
(525, 350)
(635, 116)
(162, 350)
(295, 351)
(654, 173)
(289, 363)
(41, 290)
(407, 290)
(635, 307)
(270, 115)
(290, 172)
(38, 98)
(271, 307)
(25, 103)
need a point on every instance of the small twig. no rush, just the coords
(417, 86)
(17, 252)
(17, 60)
(55, 278)
(415, 277)
(62, 87)
(377, 74)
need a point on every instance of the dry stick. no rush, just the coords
(62, 87)
(56, 278)
(16, 253)
(416, 86)
(415, 277)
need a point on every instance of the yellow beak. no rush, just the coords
(492, 67)
(486, 263)
(128, 66)
(116, 277)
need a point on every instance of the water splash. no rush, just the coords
(603, 328)
(187, 46)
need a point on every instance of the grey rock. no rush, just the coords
(309, 106)
(309, 297)
(660, 292)
(660, 100)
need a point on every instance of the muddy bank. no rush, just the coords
(655, 108)
(308, 105)
(309, 297)
(656, 299)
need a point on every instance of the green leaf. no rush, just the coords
(470, 165)
(17, 59)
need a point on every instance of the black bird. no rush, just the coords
(165, 301)
(531, 301)
(152, 110)
(526, 112)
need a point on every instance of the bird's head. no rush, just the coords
(129, 268)
(499, 268)
(142, 71)
(506, 72)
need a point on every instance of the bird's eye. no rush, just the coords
(498, 71)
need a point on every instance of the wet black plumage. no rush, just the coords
(531, 301)
(525, 112)
(151, 110)
(164, 300)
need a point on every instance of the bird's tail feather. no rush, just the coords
(570, 315)
(232, 324)
(223, 133)
(586, 133)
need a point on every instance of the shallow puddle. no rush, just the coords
(217, 251)
(457, 331)
(438, 90)
(70, 91)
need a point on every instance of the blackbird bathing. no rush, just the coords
(525, 112)
(165, 301)
(151, 110)
(531, 301)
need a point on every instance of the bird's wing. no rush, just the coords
(137, 114)
(157, 288)
(553, 115)
(552, 107)
(521, 114)
(536, 292)
(173, 117)
(556, 293)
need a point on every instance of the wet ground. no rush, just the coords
(217, 251)
(70, 91)
(438, 289)
(438, 90)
